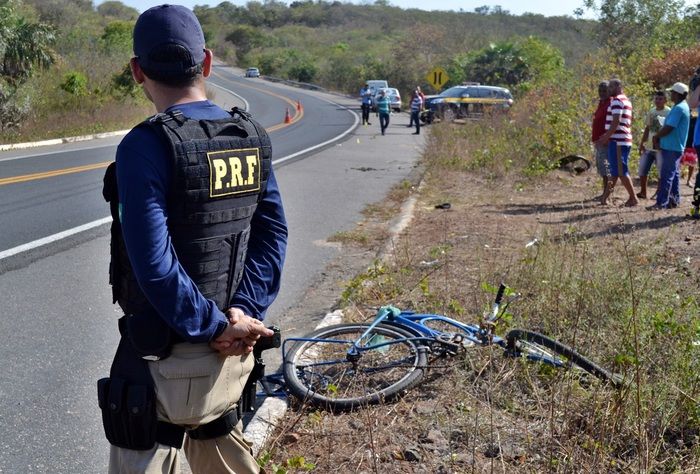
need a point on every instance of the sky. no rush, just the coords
(515, 7)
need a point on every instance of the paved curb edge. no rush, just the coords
(59, 141)
(272, 408)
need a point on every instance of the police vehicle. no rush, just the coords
(469, 100)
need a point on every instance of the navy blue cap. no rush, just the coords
(164, 25)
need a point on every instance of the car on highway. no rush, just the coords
(394, 98)
(252, 72)
(466, 101)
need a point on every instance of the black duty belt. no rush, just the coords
(173, 435)
(219, 427)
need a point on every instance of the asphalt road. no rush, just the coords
(52, 189)
(57, 322)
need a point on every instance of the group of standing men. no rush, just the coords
(663, 141)
(383, 104)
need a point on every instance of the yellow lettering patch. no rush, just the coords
(234, 171)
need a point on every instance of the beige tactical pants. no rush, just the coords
(194, 386)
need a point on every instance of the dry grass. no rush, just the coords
(80, 119)
(618, 284)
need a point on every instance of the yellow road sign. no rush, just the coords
(437, 78)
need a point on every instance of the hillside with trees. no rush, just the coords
(64, 68)
(339, 44)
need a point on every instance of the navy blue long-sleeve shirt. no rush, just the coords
(143, 176)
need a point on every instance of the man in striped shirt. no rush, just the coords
(618, 137)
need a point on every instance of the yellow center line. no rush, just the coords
(298, 114)
(51, 174)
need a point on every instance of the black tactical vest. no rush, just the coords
(220, 171)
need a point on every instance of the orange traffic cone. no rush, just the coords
(287, 118)
(298, 105)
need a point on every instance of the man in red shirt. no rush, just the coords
(598, 129)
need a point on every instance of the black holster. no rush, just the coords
(247, 401)
(127, 400)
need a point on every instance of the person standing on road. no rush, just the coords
(383, 110)
(618, 137)
(366, 99)
(597, 130)
(416, 107)
(671, 141)
(420, 93)
(647, 153)
(198, 242)
(422, 98)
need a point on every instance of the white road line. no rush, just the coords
(246, 105)
(327, 142)
(53, 238)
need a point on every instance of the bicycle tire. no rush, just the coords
(319, 372)
(534, 341)
(576, 163)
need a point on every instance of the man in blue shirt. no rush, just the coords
(383, 110)
(366, 100)
(671, 141)
(204, 232)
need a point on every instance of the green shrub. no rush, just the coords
(123, 83)
(75, 83)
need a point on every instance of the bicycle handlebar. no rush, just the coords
(499, 295)
(496, 304)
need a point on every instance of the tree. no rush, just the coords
(513, 64)
(677, 65)
(63, 14)
(245, 38)
(117, 10)
(303, 71)
(26, 46)
(117, 36)
(626, 26)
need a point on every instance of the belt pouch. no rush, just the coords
(127, 401)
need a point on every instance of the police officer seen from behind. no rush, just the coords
(198, 242)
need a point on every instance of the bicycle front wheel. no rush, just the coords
(329, 371)
(538, 347)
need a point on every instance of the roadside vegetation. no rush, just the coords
(618, 285)
(63, 69)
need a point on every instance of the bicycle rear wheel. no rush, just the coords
(321, 371)
(538, 347)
